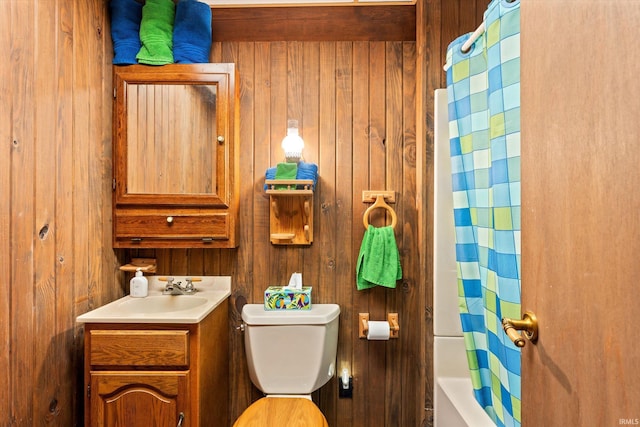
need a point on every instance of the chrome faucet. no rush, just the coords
(174, 288)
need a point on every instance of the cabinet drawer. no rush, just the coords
(139, 348)
(168, 225)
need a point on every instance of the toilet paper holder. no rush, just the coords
(363, 325)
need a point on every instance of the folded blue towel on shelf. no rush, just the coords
(192, 32)
(304, 171)
(125, 28)
(270, 174)
(308, 171)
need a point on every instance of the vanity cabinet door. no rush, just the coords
(175, 166)
(139, 399)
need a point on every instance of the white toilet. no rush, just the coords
(290, 354)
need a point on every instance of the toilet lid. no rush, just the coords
(282, 412)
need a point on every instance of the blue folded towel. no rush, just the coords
(192, 32)
(270, 174)
(125, 27)
(304, 171)
(308, 171)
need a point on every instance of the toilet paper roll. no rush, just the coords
(378, 330)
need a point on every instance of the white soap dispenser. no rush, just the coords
(139, 285)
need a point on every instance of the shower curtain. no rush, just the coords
(483, 88)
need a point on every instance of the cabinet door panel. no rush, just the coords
(173, 135)
(132, 399)
(171, 138)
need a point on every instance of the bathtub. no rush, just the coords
(454, 403)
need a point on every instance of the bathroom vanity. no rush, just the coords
(158, 361)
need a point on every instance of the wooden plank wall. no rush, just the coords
(359, 104)
(55, 219)
(438, 23)
(355, 103)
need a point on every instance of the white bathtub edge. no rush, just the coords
(459, 393)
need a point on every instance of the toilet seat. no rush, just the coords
(282, 412)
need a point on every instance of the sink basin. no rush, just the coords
(159, 308)
(160, 304)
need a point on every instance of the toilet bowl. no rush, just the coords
(290, 354)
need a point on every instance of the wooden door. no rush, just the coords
(581, 211)
(140, 399)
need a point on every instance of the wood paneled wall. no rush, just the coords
(355, 104)
(360, 105)
(55, 217)
(438, 23)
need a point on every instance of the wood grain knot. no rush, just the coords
(43, 232)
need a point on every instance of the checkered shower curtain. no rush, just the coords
(483, 87)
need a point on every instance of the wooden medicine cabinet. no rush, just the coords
(175, 181)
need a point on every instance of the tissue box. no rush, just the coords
(283, 298)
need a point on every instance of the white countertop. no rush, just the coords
(158, 308)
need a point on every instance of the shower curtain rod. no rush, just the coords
(477, 33)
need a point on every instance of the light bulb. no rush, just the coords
(345, 378)
(292, 144)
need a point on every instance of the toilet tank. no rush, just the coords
(292, 351)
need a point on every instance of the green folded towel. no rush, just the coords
(378, 260)
(156, 32)
(286, 171)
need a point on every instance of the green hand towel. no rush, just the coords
(378, 260)
(156, 32)
(286, 171)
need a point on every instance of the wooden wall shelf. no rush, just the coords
(290, 211)
(146, 265)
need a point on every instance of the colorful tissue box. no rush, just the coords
(281, 298)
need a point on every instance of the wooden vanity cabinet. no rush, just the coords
(140, 375)
(175, 157)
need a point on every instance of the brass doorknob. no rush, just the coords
(528, 325)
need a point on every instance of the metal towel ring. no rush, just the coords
(379, 203)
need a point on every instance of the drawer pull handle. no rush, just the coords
(180, 419)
